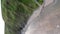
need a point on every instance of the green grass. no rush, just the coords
(16, 13)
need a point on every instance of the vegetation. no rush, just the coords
(16, 13)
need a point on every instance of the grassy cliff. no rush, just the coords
(16, 13)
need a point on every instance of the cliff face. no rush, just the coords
(47, 22)
(16, 13)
